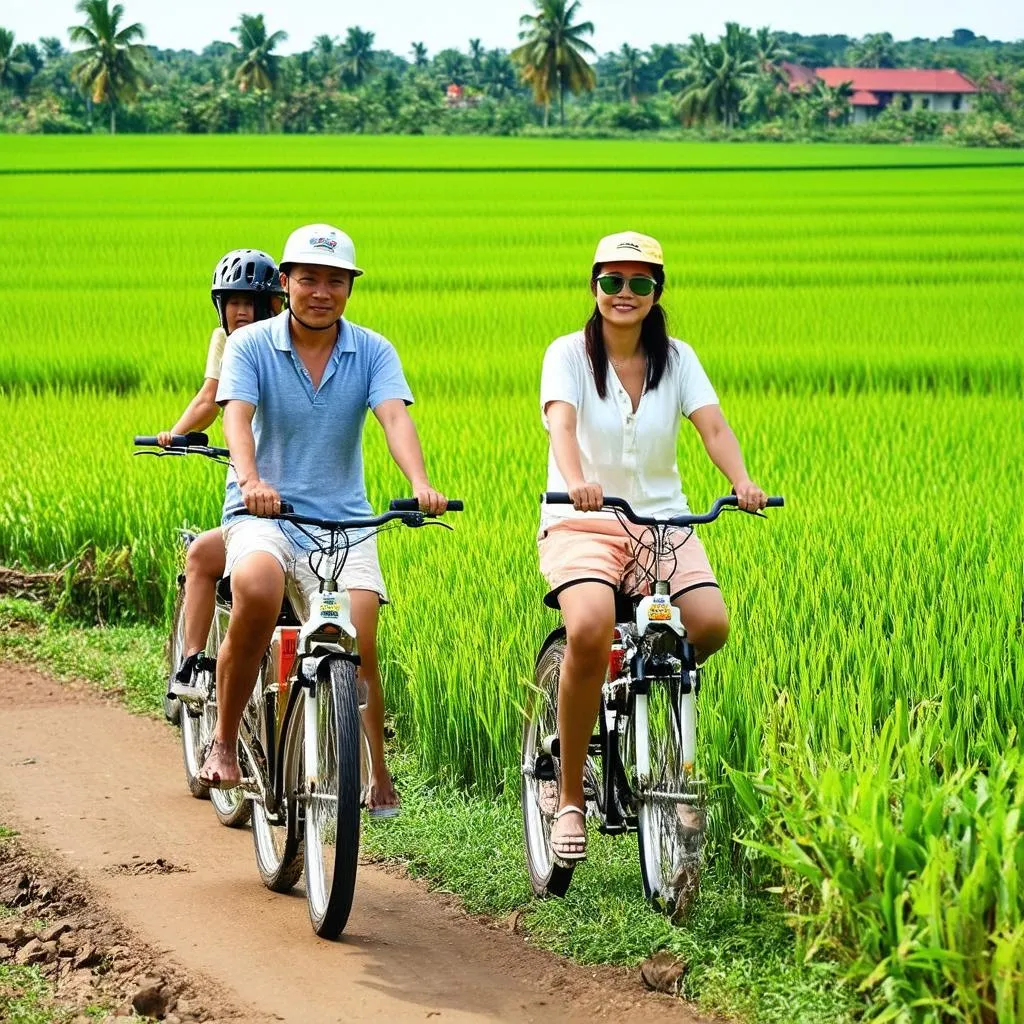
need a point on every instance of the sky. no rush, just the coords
(191, 24)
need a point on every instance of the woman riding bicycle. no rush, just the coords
(246, 288)
(612, 397)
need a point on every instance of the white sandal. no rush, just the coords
(570, 849)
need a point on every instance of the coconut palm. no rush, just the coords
(357, 59)
(12, 66)
(109, 68)
(324, 50)
(419, 55)
(451, 67)
(476, 54)
(551, 53)
(629, 65)
(714, 76)
(873, 51)
(259, 70)
(52, 47)
(769, 53)
(498, 75)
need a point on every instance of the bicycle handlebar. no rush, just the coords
(195, 443)
(411, 517)
(689, 519)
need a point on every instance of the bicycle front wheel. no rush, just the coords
(671, 819)
(332, 748)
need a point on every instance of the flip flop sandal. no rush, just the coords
(384, 813)
(560, 846)
(213, 780)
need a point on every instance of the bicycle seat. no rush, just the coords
(287, 616)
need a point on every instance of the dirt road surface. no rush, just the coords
(100, 787)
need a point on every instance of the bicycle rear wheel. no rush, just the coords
(332, 753)
(671, 818)
(541, 775)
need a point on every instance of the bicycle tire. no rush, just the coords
(670, 834)
(332, 819)
(547, 877)
(278, 847)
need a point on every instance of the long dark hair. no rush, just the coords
(653, 337)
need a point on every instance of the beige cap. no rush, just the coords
(629, 245)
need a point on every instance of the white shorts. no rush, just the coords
(245, 536)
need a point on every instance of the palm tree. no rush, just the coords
(551, 53)
(451, 67)
(53, 49)
(873, 51)
(419, 55)
(767, 92)
(629, 65)
(357, 60)
(109, 67)
(11, 65)
(769, 53)
(499, 74)
(324, 50)
(260, 69)
(714, 76)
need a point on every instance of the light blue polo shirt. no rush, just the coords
(309, 441)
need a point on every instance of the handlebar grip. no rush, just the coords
(775, 502)
(194, 439)
(556, 498)
(412, 505)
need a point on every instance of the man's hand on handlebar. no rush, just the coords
(260, 498)
(587, 497)
(749, 496)
(432, 502)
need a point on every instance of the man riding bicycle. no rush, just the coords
(295, 391)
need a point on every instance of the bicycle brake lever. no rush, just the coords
(430, 521)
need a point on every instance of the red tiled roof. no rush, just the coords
(898, 79)
(863, 98)
(799, 75)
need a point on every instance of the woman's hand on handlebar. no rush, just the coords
(749, 496)
(164, 438)
(432, 502)
(587, 497)
(260, 498)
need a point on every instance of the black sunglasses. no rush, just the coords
(612, 284)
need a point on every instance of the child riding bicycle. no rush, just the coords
(246, 288)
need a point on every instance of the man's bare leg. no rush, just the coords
(365, 610)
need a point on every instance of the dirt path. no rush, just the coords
(102, 787)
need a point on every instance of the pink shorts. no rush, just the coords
(603, 551)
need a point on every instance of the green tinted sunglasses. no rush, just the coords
(612, 284)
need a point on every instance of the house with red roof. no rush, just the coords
(943, 90)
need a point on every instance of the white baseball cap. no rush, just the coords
(321, 246)
(629, 245)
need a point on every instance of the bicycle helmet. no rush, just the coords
(246, 270)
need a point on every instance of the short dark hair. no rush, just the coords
(653, 336)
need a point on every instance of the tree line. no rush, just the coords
(736, 84)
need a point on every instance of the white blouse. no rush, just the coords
(631, 455)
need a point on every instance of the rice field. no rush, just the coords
(865, 330)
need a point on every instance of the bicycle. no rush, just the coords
(304, 758)
(640, 772)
